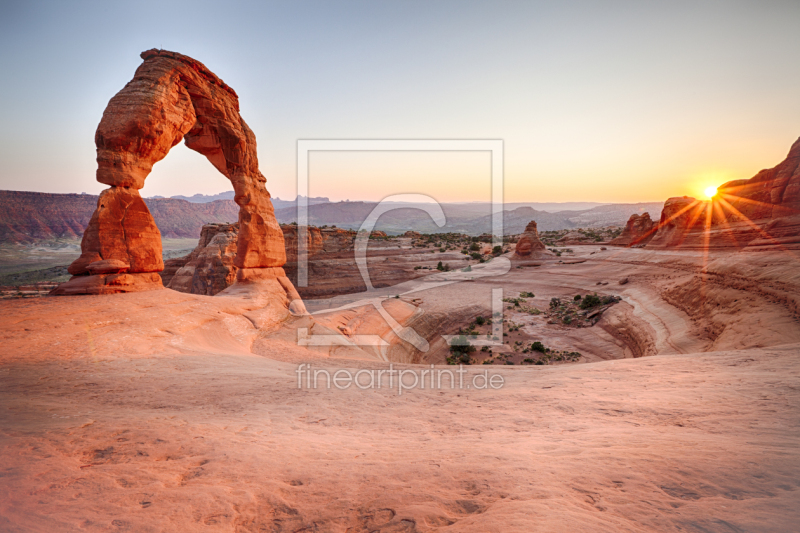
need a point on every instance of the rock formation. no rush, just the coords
(173, 97)
(529, 245)
(639, 229)
(332, 269)
(209, 269)
(763, 211)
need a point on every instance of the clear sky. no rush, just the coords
(596, 101)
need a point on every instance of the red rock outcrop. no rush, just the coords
(529, 245)
(332, 269)
(174, 97)
(763, 211)
(314, 241)
(210, 268)
(121, 228)
(640, 229)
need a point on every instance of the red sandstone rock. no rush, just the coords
(314, 241)
(108, 266)
(109, 284)
(529, 243)
(121, 228)
(210, 268)
(639, 229)
(174, 97)
(761, 211)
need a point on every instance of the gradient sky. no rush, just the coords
(596, 101)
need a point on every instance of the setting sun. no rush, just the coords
(710, 191)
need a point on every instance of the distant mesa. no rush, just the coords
(173, 97)
(277, 203)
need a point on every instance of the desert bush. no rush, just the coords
(497, 250)
(590, 300)
(538, 346)
(480, 320)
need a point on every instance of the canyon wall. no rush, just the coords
(31, 217)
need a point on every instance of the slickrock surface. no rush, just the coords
(163, 411)
(639, 229)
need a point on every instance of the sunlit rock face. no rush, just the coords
(763, 211)
(639, 229)
(173, 97)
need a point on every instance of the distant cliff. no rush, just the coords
(27, 217)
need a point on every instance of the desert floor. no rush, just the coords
(163, 411)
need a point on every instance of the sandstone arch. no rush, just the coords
(171, 97)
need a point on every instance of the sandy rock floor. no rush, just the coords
(149, 412)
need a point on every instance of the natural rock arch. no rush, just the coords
(171, 97)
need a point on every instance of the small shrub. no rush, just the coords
(480, 320)
(590, 300)
(497, 250)
(538, 346)
(577, 297)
